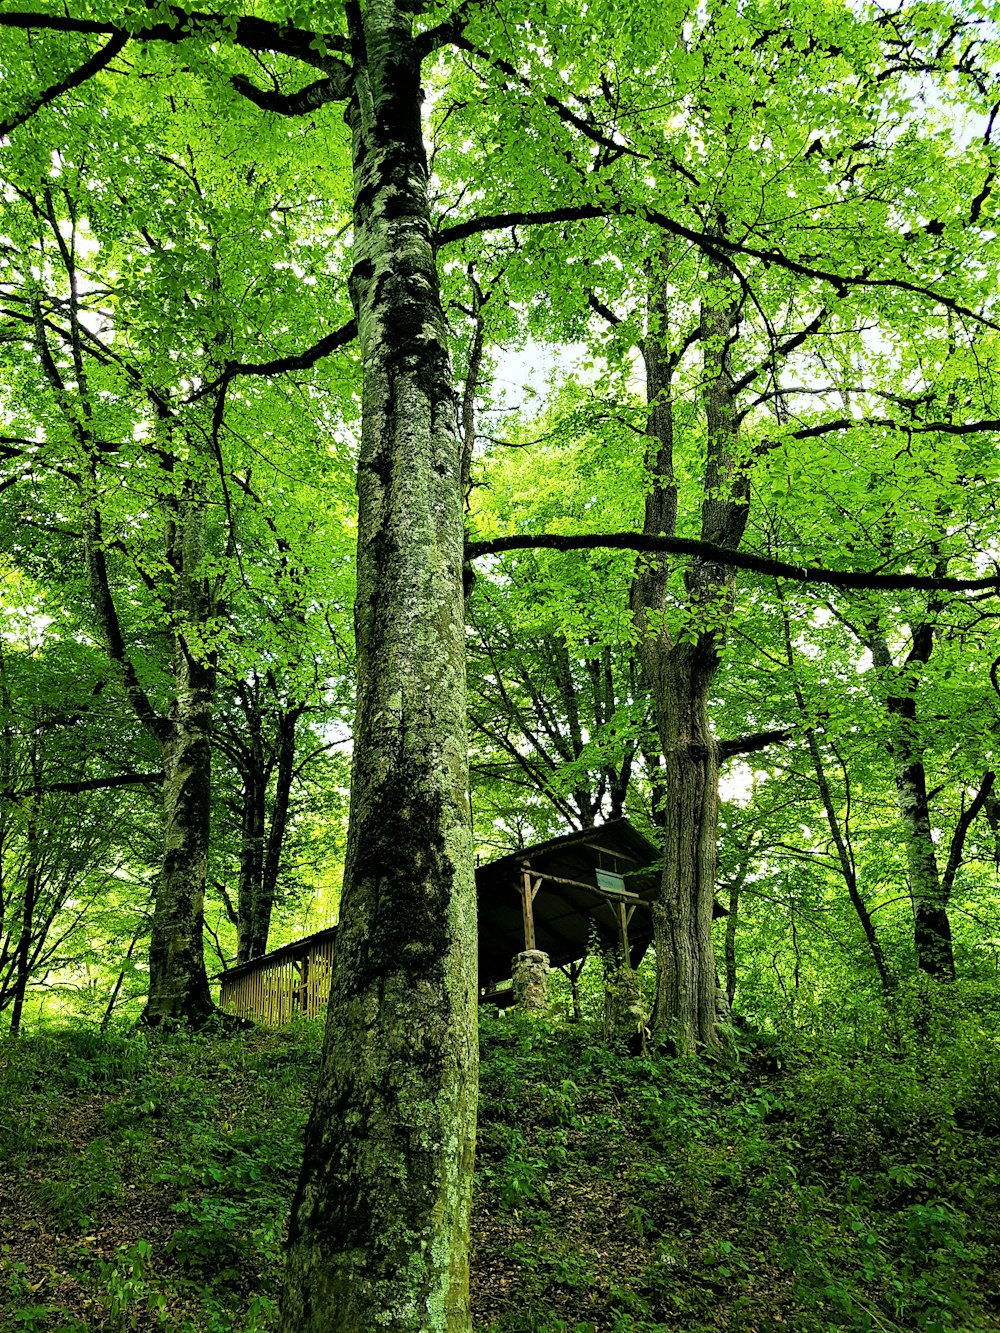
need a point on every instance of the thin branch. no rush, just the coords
(904, 427)
(961, 831)
(720, 248)
(86, 784)
(293, 361)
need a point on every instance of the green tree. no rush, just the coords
(379, 1228)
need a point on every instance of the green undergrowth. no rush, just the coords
(834, 1177)
(146, 1179)
(830, 1179)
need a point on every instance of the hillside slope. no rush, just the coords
(145, 1183)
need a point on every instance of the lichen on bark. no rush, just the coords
(379, 1228)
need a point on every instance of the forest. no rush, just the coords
(429, 430)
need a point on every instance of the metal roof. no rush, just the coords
(296, 949)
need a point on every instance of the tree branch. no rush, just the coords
(758, 740)
(87, 70)
(87, 784)
(720, 248)
(310, 98)
(253, 34)
(904, 427)
(721, 555)
(294, 361)
(961, 830)
(501, 221)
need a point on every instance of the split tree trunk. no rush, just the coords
(680, 668)
(261, 841)
(253, 815)
(379, 1228)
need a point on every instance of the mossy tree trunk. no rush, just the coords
(178, 982)
(680, 662)
(931, 925)
(379, 1229)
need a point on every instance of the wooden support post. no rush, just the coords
(528, 891)
(623, 919)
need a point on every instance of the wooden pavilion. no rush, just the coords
(556, 897)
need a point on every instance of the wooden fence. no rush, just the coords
(275, 990)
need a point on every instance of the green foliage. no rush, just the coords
(187, 1147)
(804, 1179)
(811, 1183)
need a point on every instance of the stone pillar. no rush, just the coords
(531, 979)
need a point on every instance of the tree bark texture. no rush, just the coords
(680, 669)
(379, 1229)
(26, 937)
(931, 926)
(686, 984)
(732, 921)
(178, 982)
(263, 826)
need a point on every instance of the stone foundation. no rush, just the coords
(530, 971)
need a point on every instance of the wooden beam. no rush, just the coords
(623, 920)
(615, 895)
(622, 856)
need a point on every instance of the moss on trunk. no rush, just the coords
(379, 1229)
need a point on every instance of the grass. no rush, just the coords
(809, 1183)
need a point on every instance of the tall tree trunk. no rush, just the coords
(22, 955)
(931, 926)
(680, 668)
(379, 1229)
(178, 982)
(284, 776)
(119, 982)
(248, 933)
(262, 840)
(732, 923)
(687, 983)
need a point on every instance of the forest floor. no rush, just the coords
(830, 1183)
